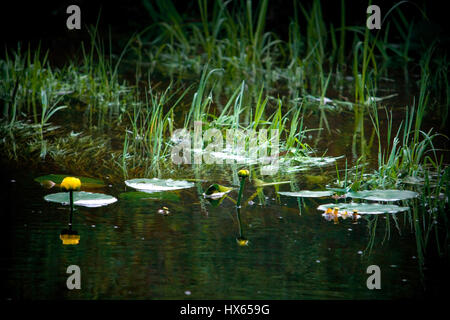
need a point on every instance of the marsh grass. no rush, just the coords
(241, 77)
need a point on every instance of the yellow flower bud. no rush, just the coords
(243, 173)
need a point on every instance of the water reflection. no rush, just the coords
(241, 239)
(69, 236)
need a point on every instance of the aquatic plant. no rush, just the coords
(158, 185)
(242, 174)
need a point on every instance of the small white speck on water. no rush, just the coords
(393, 266)
(360, 252)
(93, 225)
(187, 292)
(414, 257)
(13, 180)
(318, 261)
(250, 203)
(349, 229)
(110, 185)
(142, 238)
(115, 227)
(329, 249)
(404, 280)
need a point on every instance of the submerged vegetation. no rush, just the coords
(226, 71)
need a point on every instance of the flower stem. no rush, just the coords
(241, 188)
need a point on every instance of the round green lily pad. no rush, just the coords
(158, 185)
(81, 198)
(364, 208)
(307, 194)
(383, 195)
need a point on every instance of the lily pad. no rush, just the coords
(54, 180)
(158, 185)
(383, 195)
(364, 208)
(216, 191)
(307, 194)
(81, 198)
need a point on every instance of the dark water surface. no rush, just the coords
(129, 251)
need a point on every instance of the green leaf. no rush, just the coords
(364, 208)
(81, 198)
(158, 185)
(216, 191)
(307, 194)
(383, 195)
(58, 178)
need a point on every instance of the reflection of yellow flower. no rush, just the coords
(71, 183)
(242, 241)
(70, 238)
(243, 173)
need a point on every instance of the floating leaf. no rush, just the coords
(307, 194)
(54, 180)
(364, 208)
(383, 195)
(418, 181)
(81, 198)
(216, 191)
(158, 185)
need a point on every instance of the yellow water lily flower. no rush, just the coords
(71, 183)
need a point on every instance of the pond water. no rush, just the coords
(129, 251)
